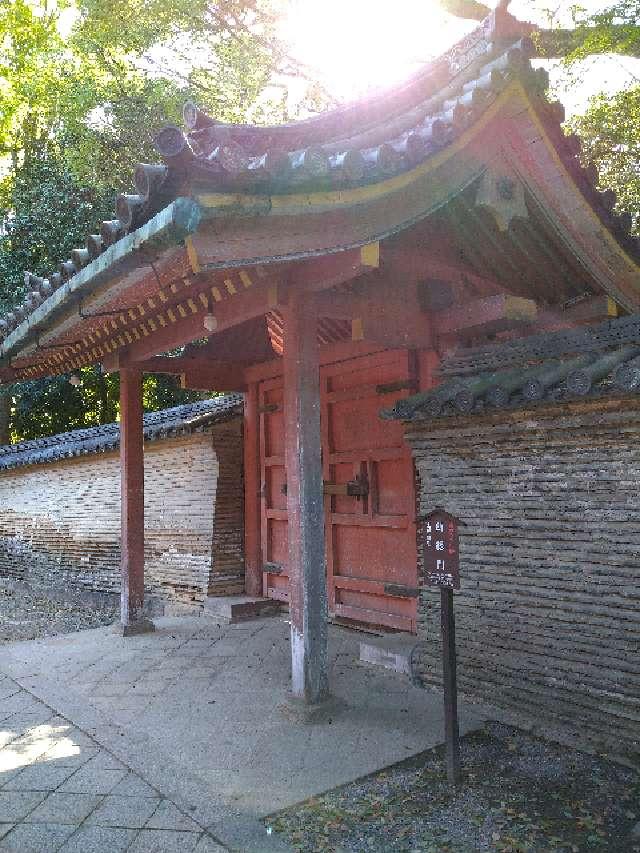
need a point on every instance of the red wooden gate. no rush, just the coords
(370, 533)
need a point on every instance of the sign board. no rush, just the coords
(440, 552)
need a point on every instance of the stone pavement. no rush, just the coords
(199, 712)
(61, 791)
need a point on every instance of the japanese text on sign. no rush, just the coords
(440, 550)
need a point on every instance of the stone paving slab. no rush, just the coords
(200, 713)
(42, 810)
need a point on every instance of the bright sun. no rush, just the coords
(360, 45)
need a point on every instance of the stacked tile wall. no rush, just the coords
(60, 522)
(548, 617)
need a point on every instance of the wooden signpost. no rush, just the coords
(442, 569)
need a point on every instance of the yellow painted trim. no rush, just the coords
(230, 286)
(163, 296)
(204, 300)
(245, 278)
(171, 315)
(612, 307)
(181, 309)
(216, 294)
(161, 320)
(370, 255)
(192, 255)
(151, 303)
(357, 329)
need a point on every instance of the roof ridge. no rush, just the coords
(87, 439)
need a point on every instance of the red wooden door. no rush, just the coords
(273, 490)
(370, 539)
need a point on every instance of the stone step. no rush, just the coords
(392, 651)
(237, 608)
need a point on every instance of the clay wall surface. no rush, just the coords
(60, 521)
(548, 617)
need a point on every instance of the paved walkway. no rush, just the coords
(61, 791)
(194, 721)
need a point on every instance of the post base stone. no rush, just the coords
(132, 629)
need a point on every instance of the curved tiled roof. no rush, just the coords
(351, 146)
(179, 420)
(597, 361)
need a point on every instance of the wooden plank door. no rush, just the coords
(273, 490)
(370, 539)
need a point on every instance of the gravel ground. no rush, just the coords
(519, 795)
(26, 614)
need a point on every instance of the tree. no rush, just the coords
(610, 134)
(78, 109)
(614, 30)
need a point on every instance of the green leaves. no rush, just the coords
(84, 85)
(610, 133)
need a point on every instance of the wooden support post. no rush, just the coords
(252, 550)
(307, 577)
(132, 504)
(452, 739)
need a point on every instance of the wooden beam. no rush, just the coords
(306, 566)
(486, 316)
(252, 545)
(132, 505)
(417, 264)
(215, 376)
(383, 313)
(593, 309)
(329, 354)
(198, 373)
(8, 375)
(304, 276)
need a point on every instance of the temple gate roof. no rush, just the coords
(469, 151)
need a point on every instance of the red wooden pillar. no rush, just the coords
(252, 552)
(307, 575)
(132, 505)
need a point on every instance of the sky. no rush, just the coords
(357, 46)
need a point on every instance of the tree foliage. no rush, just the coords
(615, 29)
(84, 85)
(610, 133)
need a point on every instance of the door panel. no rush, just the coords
(273, 495)
(370, 537)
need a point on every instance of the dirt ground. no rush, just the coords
(519, 795)
(27, 614)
